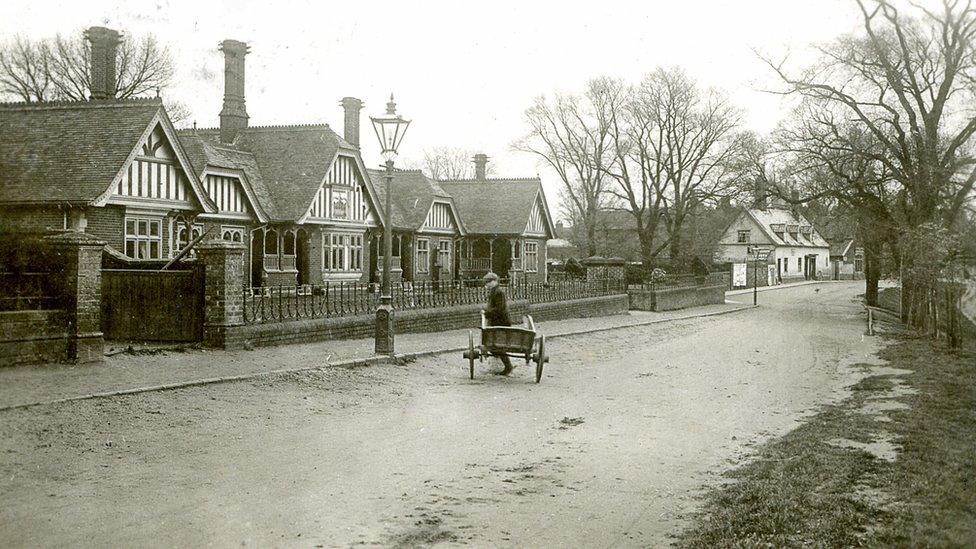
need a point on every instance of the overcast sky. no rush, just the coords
(464, 72)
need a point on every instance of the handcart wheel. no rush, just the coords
(540, 359)
(471, 353)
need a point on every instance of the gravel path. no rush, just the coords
(610, 449)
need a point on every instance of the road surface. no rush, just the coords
(611, 449)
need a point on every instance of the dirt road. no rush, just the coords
(609, 450)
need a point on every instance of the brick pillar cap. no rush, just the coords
(73, 238)
(220, 245)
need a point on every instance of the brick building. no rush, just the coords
(507, 224)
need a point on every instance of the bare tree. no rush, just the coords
(571, 134)
(676, 147)
(58, 69)
(447, 163)
(908, 83)
(24, 70)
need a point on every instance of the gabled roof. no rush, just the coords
(413, 196)
(841, 247)
(68, 152)
(498, 206)
(205, 155)
(778, 216)
(293, 162)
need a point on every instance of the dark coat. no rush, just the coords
(497, 311)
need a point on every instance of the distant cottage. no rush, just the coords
(798, 252)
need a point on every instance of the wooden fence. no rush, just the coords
(140, 305)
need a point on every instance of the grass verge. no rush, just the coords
(804, 490)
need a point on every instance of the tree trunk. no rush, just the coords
(872, 272)
(675, 248)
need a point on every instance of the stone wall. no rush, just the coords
(670, 299)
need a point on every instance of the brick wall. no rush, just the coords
(412, 321)
(108, 224)
(32, 336)
(670, 299)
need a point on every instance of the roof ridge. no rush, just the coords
(89, 103)
(491, 179)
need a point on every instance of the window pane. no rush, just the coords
(143, 227)
(143, 249)
(154, 249)
(130, 226)
(154, 228)
(130, 248)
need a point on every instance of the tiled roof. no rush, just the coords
(293, 161)
(495, 206)
(778, 216)
(840, 247)
(67, 152)
(203, 153)
(413, 194)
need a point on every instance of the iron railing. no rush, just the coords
(564, 290)
(337, 299)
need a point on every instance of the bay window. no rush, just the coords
(342, 252)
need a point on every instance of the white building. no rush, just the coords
(799, 252)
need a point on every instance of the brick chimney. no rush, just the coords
(233, 117)
(104, 46)
(480, 163)
(350, 128)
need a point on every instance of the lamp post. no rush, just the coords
(390, 128)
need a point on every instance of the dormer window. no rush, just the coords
(743, 237)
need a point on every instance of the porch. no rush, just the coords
(508, 257)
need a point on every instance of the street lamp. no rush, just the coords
(390, 129)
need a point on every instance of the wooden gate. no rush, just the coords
(140, 305)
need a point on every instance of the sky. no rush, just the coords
(463, 72)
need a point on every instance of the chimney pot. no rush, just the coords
(233, 115)
(480, 164)
(104, 46)
(350, 129)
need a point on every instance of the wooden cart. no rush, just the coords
(513, 341)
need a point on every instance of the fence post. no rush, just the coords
(223, 305)
(81, 293)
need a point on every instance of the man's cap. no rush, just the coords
(490, 276)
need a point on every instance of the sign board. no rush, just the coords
(739, 274)
(759, 252)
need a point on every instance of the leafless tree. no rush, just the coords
(58, 68)
(447, 163)
(675, 147)
(908, 82)
(571, 134)
(24, 70)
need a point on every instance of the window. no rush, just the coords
(143, 238)
(799, 263)
(444, 254)
(271, 242)
(743, 237)
(232, 234)
(342, 252)
(355, 252)
(185, 235)
(531, 257)
(339, 203)
(288, 243)
(423, 255)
